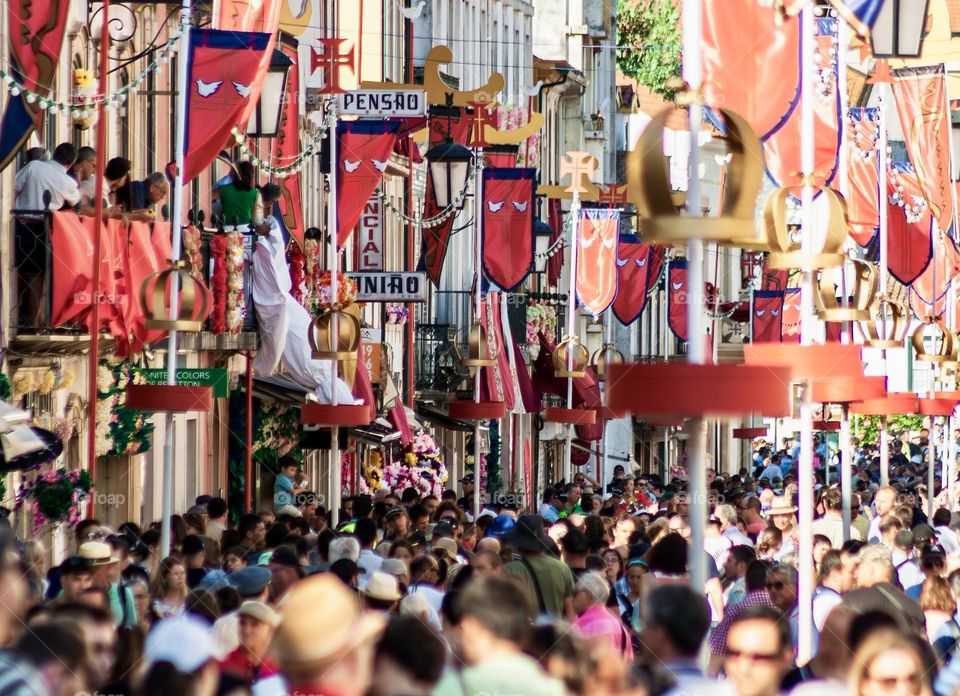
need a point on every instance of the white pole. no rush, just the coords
(696, 348)
(807, 326)
(931, 468)
(952, 459)
(882, 206)
(602, 460)
(571, 317)
(166, 495)
(336, 475)
(478, 309)
(846, 473)
(884, 452)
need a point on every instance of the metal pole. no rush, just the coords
(94, 362)
(952, 459)
(336, 475)
(931, 469)
(696, 348)
(248, 450)
(807, 326)
(884, 452)
(175, 251)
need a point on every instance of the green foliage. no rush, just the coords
(5, 389)
(119, 430)
(869, 426)
(649, 31)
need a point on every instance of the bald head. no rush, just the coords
(488, 544)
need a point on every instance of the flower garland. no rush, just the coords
(421, 467)
(235, 305)
(61, 427)
(297, 261)
(119, 431)
(323, 296)
(55, 496)
(191, 246)
(24, 382)
(372, 474)
(29, 381)
(218, 284)
(397, 314)
(311, 252)
(541, 317)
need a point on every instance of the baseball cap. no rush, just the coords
(192, 544)
(467, 479)
(250, 581)
(933, 551)
(184, 641)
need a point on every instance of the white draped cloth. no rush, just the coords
(285, 325)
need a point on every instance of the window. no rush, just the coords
(123, 116)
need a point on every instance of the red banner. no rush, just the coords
(677, 289)
(781, 148)
(863, 174)
(909, 225)
(597, 258)
(36, 29)
(737, 74)
(554, 265)
(507, 224)
(928, 296)
(633, 279)
(767, 316)
(363, 151)
(497, 382)
(224, 75)
(287, 147)
(790, 331)
(148, 251)
(921, 99)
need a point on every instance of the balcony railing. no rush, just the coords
(32, 306)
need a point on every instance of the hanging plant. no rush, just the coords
(119, 431)
(420, 467)
(323, 293)
(397, 314)
(649, 32)
(297, 261)
(55, 496)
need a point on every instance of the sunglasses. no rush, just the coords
(752, 656)
(95, 535)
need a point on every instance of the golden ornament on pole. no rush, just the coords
(343, 348)
(578, 357)
(603, 358)
(861, 296)
(888, 324)
(785, 250)
(479, 352)
(648, 187)
(192, 303)
(943, 341)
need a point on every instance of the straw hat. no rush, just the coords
(782, 505)
(259, 611)
(97, 553)
(383, 587)
(446, 546)
(321, 600)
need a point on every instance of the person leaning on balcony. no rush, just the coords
(240, 200)
(138, 199)
(32, 242)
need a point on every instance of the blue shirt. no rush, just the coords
(282, 491)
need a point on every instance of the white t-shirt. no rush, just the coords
(370, 563)
(40, 176)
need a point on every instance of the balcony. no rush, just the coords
(35, 293)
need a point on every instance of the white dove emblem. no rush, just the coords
(677, 286)
(242, 90)
(350, 166)
(621, 264)
(207, 89)
(495, 207)
(761, 312)
(533, 90)
(521, 207)
(641, 262)
(775, 312)
(412, 12)
(379, 166)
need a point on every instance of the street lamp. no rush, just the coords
(265, 119)
(898, 31)
(449, 167)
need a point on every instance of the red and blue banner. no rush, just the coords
(767, 319)
(507, 225)
(37, 28)
(223, 69)
(597, 236)
(677, 297)
(363, 150)
(634, 264)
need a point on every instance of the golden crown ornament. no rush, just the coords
(861, 296)
(570, 349)
(785, 249)
(192, 300)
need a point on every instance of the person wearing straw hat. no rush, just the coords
(382, 592)
(334, 660)
(783, 514)
(103, 565)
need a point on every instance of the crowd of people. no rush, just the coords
(411, 595)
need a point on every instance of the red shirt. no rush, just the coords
(238, 663)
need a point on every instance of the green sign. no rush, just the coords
(215, 377)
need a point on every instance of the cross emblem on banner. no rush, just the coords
(481, 117)
(613, 195)
(329, 57)
(579, 165)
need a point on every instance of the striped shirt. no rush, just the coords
(18, 678)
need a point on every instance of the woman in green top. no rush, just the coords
(240, 201)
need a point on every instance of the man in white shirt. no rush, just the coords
(366, 533)
(727, 514)
(946, 537)
(40, 176)
(883, 501)
(829, 592)
(831, 524)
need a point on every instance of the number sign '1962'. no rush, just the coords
(385, 103)
(390, 287)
